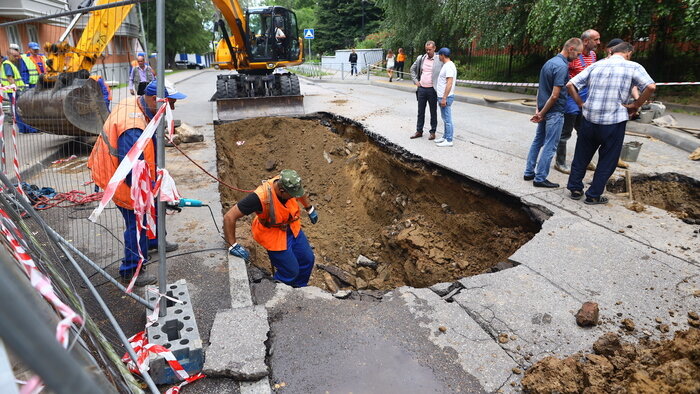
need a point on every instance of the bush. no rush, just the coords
(374, 40)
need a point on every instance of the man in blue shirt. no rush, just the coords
(550, 113)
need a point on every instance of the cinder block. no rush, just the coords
(176, 331)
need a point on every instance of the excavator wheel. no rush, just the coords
(286, 87)
(294, 81)
(221, 90)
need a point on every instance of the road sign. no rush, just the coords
(309, 34)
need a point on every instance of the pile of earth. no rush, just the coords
(413, 224)
(669, 366)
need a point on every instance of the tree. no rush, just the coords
(340, 22)
(185, 30)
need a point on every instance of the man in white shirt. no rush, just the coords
(445, 90)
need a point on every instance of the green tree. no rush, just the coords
(187, 27)
(339, 23)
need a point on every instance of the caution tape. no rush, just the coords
(42, 283)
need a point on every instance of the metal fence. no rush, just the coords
(84, 62)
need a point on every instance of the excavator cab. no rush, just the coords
(272, 33)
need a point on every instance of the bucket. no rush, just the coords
(646, 116)
(630, 151)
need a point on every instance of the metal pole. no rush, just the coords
(160, 156)
(74, 12)
(7, 377)
(342, 71)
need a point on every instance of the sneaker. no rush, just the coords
(169, 246)
(144, 279)
(563, 168)
(439, 140)
(444, 143)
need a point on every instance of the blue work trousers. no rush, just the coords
(607, 140)
(546, 140)
(131, 247)
(446, 113)
(293, 266)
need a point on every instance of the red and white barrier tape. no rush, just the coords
(534, 85)
(129, 161)
(42, 283)
(2, 135)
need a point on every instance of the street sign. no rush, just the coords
(309, 34)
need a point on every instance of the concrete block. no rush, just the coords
(238, 283)
(176, 331)
(261, 386)
(237, 348)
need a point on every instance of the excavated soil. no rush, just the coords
(670, 366)
(675, 193)
(421, 225)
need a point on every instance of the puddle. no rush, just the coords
(418, 224)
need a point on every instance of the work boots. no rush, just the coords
(143, 279)
(169, 246)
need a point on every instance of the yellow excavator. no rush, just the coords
(66, 100)
(263, 41)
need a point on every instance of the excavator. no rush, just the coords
(263, 42)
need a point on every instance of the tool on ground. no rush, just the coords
(189, 202)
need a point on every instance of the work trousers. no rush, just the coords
(426, 96)
(607, 140)
(571, 122)
(293, 266)
(131, 246)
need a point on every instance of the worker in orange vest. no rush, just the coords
(122, 129)
(277, 227)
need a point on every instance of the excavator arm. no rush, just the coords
(234, 54)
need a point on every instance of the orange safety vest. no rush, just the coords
(109, 90)
(270, 226)
(104, 158)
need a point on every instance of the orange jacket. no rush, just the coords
(270, 226)
(401, 57)
(104, 159)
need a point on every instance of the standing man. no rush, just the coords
(550, 113)
(572, 113)
(445, 89)
(33, 65)
(353, 62)
(424, 73)
(277, 227)
(605, 116)
(140, 77)
(10, 72)
(122, 129)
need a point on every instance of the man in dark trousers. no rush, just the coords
(353, 62)
(605, 115)
(550, 114)
(277, 227)
(424, 73)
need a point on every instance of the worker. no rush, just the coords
(106, 91)
(122, 128)
(277, 227)
(33, 65)
(10, 75)
(140, 76)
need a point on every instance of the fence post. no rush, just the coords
(342, 71)
(160, 225)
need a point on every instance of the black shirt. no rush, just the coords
(251, 203)
(353, 58)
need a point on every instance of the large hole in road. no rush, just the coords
(419, 223)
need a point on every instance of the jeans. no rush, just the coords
(353, 68)
(446, 113)
(571, 121)
(546, 139)
(399, 69)
(131, 248)
(294, 265)
(607, 140)
(429, 96)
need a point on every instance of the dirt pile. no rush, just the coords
(671, 366)
(412, 224)
(675, 193)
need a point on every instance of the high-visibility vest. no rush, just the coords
(31, 68)
(39, 60)
(4, 79)
(104, 158)
(270, 226)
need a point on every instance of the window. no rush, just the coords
(13, 36)
(33, 34)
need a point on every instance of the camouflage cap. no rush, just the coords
(291, 182)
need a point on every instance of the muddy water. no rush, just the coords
(418, 224)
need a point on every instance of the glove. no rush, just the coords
(239, 251)
(313, 216)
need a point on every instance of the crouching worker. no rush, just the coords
(277, 227)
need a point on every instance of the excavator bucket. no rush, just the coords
(231, 109)
(71, 107)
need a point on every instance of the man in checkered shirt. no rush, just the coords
(605, 115)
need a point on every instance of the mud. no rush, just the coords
(670, 366)
(419, 224)
(675, 193)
